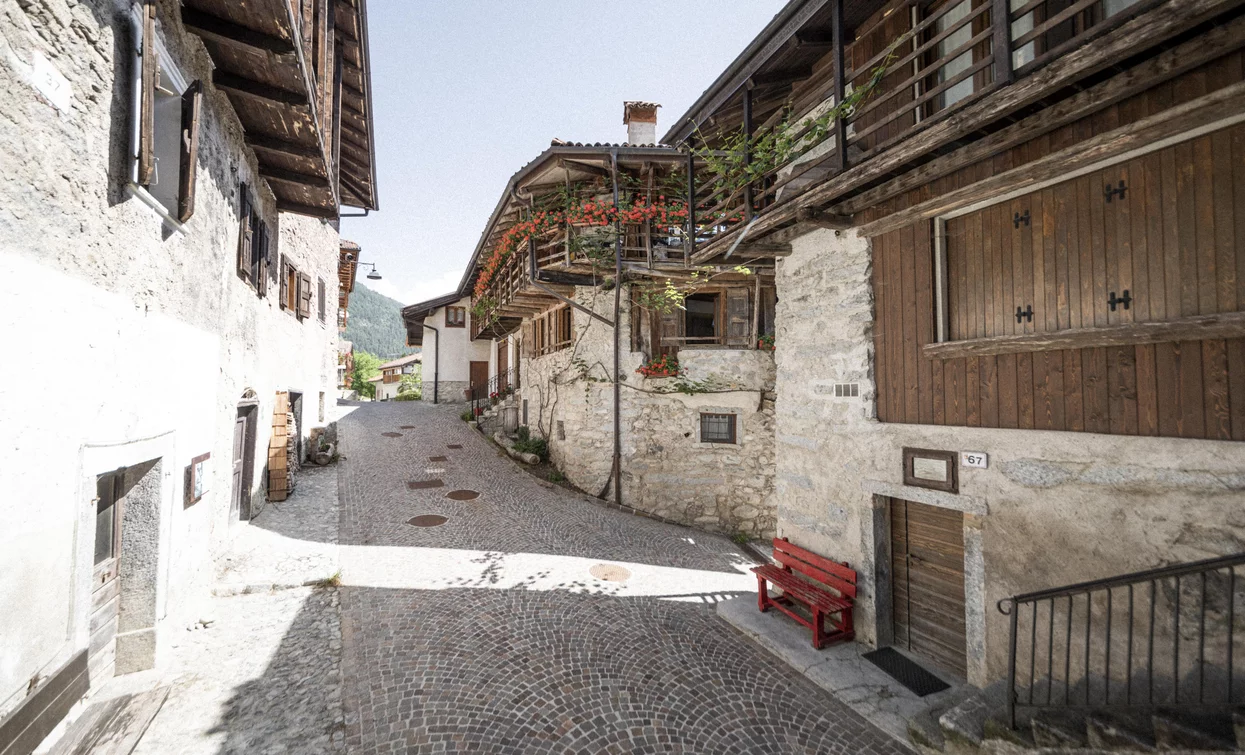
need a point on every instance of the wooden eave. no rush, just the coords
(262, 65)
(357, 156)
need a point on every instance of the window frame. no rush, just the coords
(731, 438)
(164, 61)
(459, 320)
(553, 330)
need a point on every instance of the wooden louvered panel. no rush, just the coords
(927, 568)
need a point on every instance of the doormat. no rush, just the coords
(907, 673)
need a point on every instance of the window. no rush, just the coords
(166, 111)
(701, 318)
(296, 291)
(455, 317)
(960, 64)
(320, 297)
(253, 244)
(552, 331)
(107, 511)
(717, 428)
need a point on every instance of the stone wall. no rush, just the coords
(1053, 508)
(666, 470)
(144, 336)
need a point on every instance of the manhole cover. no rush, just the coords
(438, 458)
(392, 435)
(424, 484)
(610, 573)
(406, 427)
(463, 495)
(428, 520)
(455, 447)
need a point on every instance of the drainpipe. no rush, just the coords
(436, 359)
(617, 357)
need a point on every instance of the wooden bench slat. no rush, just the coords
(783, 545)
(807, 593)
(844, 588)
(829, 595)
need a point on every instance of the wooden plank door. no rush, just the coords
(927, 567)
(239, 466)
(503, 365)
(479, 379)
(105, 593)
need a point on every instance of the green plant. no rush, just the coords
(366, 366)
(523, 433)
(409, 396)
(466, 416)
(411, 382)
(536, 446)
(556, 476)
(766, 342)
(333, 581)
(660, 366)
(741, 538)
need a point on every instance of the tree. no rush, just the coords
(412, 382)
(366, 366)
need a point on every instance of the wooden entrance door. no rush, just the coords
(105, 594)
(927, 568)
(239, 466)
(479, 379)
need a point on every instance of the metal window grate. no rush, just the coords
(846, 390)
(717, 428)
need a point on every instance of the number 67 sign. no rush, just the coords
(974, 460)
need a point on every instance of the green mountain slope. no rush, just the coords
(375, 324)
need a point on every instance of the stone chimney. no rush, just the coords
(641, 121)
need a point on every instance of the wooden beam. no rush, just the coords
(814, 38)
(251, 88)
(293, 177)
(595, 170)
(1162, 22)
(274, 144)
(1226, 325)
(1165, 66)
(1177, 124)
(219, 29)
(823, 219)
(329, 213)
(781, 77)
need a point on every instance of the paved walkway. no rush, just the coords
(531, 620)
(527, 620)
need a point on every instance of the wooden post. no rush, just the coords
(1001, 42)
(840, 87)
(690, 247)
(748, 147)
(756, 313)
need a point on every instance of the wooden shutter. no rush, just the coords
(147, 98)
(261, 253)
(637, 324)
(284, 282)
(244, 232)
(667, 330)
(320, 297)
(304, 295)
(738, 317)
(769, 304)
(192, 103)
(528, 339)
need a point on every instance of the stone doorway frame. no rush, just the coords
(250, 409)
(877, 556)
(146, 527)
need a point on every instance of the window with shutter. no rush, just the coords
(320, 297)
(284, 279)
(147, 96)
(667, 332)
(305, 292)
(244, 232)
(261, 253)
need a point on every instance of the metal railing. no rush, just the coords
(1163, 638)
(481, 397)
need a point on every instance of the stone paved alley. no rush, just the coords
(529, 620)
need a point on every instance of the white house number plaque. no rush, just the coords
(974, 460)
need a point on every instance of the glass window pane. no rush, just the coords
(960, 63)
(105, 518)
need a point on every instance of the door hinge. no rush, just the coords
(1110, 191)
(1025, 314)
(1017, 219)
(1126, 300)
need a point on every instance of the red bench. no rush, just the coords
(828, 597)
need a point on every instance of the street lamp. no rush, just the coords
(373, 275)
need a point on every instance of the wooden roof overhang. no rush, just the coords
(264, 65)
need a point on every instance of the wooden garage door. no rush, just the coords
(927, 564)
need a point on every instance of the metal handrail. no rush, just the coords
(1182, 616)
(480, 396)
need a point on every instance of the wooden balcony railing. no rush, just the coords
(919, 67)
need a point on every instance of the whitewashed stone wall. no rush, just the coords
(1053, 508)
(666, 471)
(135, 341)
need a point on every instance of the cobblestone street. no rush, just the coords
(525, 619)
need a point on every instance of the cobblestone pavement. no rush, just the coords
(532, 620)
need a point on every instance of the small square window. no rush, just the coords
(717, 428)
(455, 317)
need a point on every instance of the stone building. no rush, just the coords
(1010, 347)
(693, 415)
(170, 185)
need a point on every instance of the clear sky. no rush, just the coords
(465, 92)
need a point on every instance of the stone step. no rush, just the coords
(1110, 733)
(1058, 729)
(964, 726)
(112, 727)
(1188, 731)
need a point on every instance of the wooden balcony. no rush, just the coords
(296, 73)
(930, 78)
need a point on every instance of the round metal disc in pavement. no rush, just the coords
(392, 435)
(428, 520)
(462, 495)
(610, 573)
